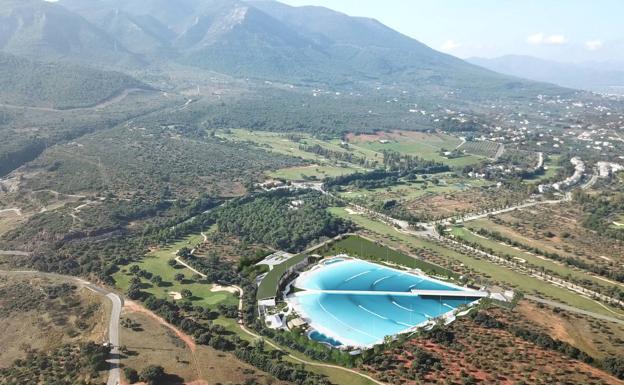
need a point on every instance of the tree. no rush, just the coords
(186, 293)
(179, 277)
(152, 374)
(157, 280)
(131, 375)
(172, 262)
(184, 252)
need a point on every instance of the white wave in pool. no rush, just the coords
(372, 312)
(402, 307)
(357, 275)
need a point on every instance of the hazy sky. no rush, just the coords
(564, 30)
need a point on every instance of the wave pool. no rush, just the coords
(358, 303)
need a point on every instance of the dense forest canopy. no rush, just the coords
(282, 219)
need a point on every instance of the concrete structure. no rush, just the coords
(276, 258)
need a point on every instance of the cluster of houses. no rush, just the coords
(579, 170)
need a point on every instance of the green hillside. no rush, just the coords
(60, 86)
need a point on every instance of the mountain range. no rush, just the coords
(602, 77)
(255, 39)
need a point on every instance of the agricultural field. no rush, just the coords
(485, 148)
(433, 197)
(366, 147)
(482, 196)
(476, 269)
(288, 144)
(557, 229)
(43, 313)
(157, 263)
(599, 338)
(272, 141)
(521, 256)
(425, 145)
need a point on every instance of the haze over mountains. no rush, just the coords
(601, 77)
(257, 39)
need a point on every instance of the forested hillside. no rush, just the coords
(55, 85)
(26, 132)
(154, 162)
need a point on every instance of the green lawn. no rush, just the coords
(156, 263)
(551, 171)
(359, 247)
(316, 172)
(268, 286)
(426, 146)
(521, 281)
(271, 141)
(502, 249)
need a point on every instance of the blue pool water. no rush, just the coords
(365, 319)
(335, 260)
(320, 337)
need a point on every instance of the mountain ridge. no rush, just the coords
(573, 75)
(255, 39)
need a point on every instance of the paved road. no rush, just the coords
(574, 309)
(114, 374)
(113, 339)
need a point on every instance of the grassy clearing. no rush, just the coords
(426, 146)
(551, 168)
(316, 172)
(272, 141)
(157, 264)
(502, 249)
(520, 281)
